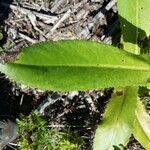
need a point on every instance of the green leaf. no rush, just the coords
(118, 122)
(142, 126)
(135, 22)
(77, 65)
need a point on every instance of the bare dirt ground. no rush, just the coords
(24, 22)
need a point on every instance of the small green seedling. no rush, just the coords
(83, 65)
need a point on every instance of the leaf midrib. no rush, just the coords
(87, 66)
(116, 122)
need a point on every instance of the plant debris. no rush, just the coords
(25, 22)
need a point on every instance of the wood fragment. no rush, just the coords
(27, 38)
(46, 18)
(56, 5)
(99, 19)
(110, 4)
(65, 16)
(68, 126)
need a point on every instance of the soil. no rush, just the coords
(25, 22)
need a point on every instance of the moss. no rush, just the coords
(35, 135)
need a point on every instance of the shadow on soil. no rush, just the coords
(9, 96)
(4, 10)
(5, 98)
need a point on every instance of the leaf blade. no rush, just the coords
(77, 65)
(117, 126)
(142, 125)
(134, 22)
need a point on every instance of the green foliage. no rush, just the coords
(118, 122)
(135, 21)
(135, 28)
(77, 65)
(5, 44)
(142, 125)
(82, 65)
(35, 135)
(1, 35)
(136, 12)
